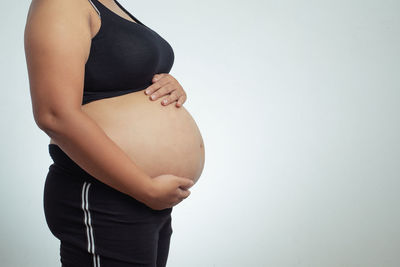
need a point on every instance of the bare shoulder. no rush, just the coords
(50, 19)
(57, 42)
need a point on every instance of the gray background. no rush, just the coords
(298, 104)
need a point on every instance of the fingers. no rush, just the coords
(164, 90)
(183, 190)
(172, 97)
(182, 194)
(158, 76)
(150, 89)
(165, 84)
(185, 183)
(181, 100)
(161, 83)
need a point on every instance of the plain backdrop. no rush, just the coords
(298, 105)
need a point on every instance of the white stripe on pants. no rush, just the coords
(88, 223)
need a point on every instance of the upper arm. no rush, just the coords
(57, 41)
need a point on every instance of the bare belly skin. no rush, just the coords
(159, 139)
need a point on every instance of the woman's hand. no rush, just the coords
(165, 84)
(167, 190)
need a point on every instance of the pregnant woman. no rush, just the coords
(122, 160)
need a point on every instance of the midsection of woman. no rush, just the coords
(124, 56)
(159, 139)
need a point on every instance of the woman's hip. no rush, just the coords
(96, 219)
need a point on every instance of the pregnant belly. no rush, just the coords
(159, 139)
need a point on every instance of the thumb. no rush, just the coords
(156, 77)
(186, 183)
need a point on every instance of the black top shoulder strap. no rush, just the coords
(95, 7)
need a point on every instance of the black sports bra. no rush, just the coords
(124, 56)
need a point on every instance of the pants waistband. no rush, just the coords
(63, 162)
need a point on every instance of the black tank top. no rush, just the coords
(124, 56)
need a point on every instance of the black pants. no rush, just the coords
(98, 225)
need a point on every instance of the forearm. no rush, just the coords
(80, 137)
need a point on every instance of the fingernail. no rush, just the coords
(153, 97)
(165, 101)
(147, 92)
